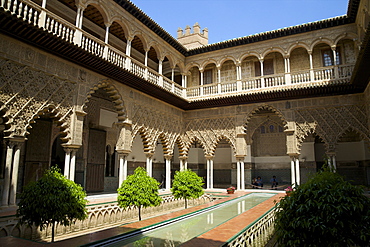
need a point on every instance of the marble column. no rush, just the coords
(122, 168)
(14, 180)
(72, 168)
(297, 172)
(292, 169)
(168, 172)
(11, 171)
(238, 175)
(149, 164)
(67, 161)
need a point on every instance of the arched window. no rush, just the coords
(263, 131)
(281, 129)
(272, 129)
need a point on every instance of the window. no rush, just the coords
(263, 130)
(327, 57)
(272, 129)
(207, 76)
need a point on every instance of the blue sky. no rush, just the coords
(228, 19)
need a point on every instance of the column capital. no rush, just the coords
(240, 157)
(17, 139)
(168, 156)
(209, 157)
(126, 122)
(149, 155)
(71, 146)
(123, 152)
(330, 154)
(294, 155)
(183, 157)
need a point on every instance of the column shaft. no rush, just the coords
(297, 172)
(8, 168)
(168, 174)
(67, 163)
(292, 166)
(242, 175)
(238, 175)
(73, 165)
(14, 181)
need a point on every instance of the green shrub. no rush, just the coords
(325, 211)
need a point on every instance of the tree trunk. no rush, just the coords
(139, 213)
(52, 231)
(186, 204)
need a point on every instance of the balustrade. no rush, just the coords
(36, 15)
(300, 77)
(257, 234)
(228, 87)
(274, 80)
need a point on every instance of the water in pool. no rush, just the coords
(183, 230)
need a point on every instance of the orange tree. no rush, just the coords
(139, 190)
(52, 199)
(187, 184)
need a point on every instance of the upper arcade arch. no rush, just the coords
(208, 62)
(271, 50)
(96, 14)
(298, 45)
(226, 59)
(349, 36)
(319, 41)
(248, 55)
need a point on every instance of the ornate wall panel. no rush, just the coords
(332, 121)
(209, 132)
(153, 123)
(25, 93)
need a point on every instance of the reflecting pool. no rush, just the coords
(182, 229)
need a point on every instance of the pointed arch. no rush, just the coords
(219, 138)
(354, 129)
(261, 108)
(145, 137)
(181, 146)
(62, 121)
(192, 140)
(114, 94)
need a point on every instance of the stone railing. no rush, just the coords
(100, 216)
(257, 234)
(337, 74)
(41, 17)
